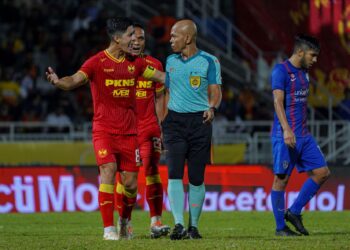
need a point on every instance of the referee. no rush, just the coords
(193, 80)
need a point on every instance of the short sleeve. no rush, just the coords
(278, 78)
(88, 68)
(159, 85)
(167, 77)
(167, 80)
(214, 71)
(141, 65)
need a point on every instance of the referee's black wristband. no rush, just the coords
(214, 109)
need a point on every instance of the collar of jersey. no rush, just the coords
(191, 58)
(292, 67)
(113, 58)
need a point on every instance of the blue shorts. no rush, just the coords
(306, 155)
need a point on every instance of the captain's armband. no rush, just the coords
(149, 72)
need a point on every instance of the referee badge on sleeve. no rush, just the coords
(195, 81)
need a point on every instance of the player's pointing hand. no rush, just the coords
(51, 76)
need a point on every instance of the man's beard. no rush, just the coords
(303, 63)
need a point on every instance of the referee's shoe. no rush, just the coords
(193, 233)
(178, 233)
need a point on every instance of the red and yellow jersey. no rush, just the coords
(113, 83)
(145, 96)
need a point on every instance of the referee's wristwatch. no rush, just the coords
(214, 109)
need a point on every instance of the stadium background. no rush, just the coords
(46, 157)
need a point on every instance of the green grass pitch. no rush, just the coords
(220, 230)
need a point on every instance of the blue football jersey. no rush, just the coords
(295, 84)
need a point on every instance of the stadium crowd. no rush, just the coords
(30, 41)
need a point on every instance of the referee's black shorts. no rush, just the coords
(187, 137)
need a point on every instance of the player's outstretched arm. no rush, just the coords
(154, 74)
(159, 76)
(67, 82)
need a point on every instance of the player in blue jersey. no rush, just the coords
(193, 81)
(292, 144)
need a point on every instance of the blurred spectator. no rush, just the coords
(263, 73)
(28, 83)
(344, 107)
(219, 124)
(9, 89)
(81, 21)
(58, 120)
(65, 54)
(31, 116)
(160, 27)
(34, 108)
(247, 103)
(5, 113)
(262, 112)
(228, 106)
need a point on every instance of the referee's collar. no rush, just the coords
(191, 58)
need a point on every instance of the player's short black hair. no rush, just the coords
(138, 25)
(118, 25)
(306, 42)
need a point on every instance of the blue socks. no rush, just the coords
(196, 199)
(306, 193)
(176, 199)
(308, 190)
(278, 206)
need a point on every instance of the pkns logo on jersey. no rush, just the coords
(141, 86)
(120, 82)
(120, 92)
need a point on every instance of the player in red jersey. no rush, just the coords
(149, 110)
(112, 74)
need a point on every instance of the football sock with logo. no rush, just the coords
(176, 199)
(106, 204)
(196, 198)
(308, 190)
(118, 196)
(154, 195)
(278, 206)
